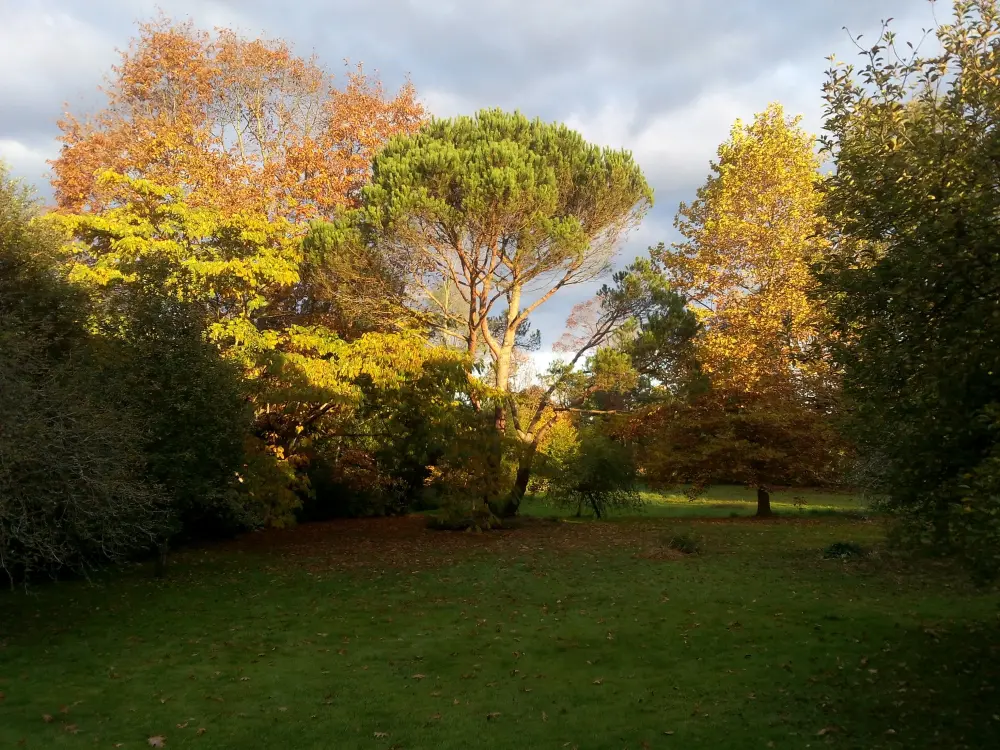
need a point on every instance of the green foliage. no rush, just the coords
(913, 274)
(557, 449)
(192, 404)
(685, 542)
(659, 335)
(844, 550)
(74, 486)
(597, 473)
(467, 481)
(271, 305)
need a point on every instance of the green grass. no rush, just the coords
(723, 501)
(380, 634)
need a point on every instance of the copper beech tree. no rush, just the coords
(241, 125)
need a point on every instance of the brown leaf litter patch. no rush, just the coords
(406, 543)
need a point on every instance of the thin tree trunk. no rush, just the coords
(763, 503)
(160, 565)
(596, 506)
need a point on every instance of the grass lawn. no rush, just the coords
(380, 634)
(722, 501)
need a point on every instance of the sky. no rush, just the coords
(662, 78)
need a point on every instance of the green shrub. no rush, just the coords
(843, 550)
(75, 488)
(598, 473)
(685, 542)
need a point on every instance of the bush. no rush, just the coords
(843, 550)
(75, 490)
(351, 484)
(191, 402)
(456, 518)
(684, 542)
(598, 473)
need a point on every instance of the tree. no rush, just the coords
(241, 125)
(241, 274)
(594, 471)
(488, 217)
(760, 412)
(912, 278)
(74, 489)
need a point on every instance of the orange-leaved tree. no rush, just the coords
(763, 412)
(241, 125)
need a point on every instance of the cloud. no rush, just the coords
(25, 161)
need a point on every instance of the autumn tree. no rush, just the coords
(240, 125)
(487, 218)
(760, 416)
(305, 382)
(912, 278)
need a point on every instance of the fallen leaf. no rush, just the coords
(827, 730)
(668, 733)
(381, 735)
(435, 694)
(47, 718)
(157, 741)
(182, 726)
(492, 715)
(418, 677)
(545, 716)
(599, 681)
(201, 731)
(71, 728)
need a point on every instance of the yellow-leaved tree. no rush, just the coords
(243, 273)
(762, 413)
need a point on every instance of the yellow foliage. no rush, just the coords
(749, 239)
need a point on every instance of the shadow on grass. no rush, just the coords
(938, 686)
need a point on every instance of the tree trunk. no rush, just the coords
(763, 503)
(596, 506)
(520, 489)
(160, 565)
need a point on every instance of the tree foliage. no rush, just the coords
(242, 125)
(595, 472)
(242, 274)
(912, 278)
(484, 219)
(74, 488)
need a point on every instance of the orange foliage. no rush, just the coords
(240, 125)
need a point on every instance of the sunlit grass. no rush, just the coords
(719, 501)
